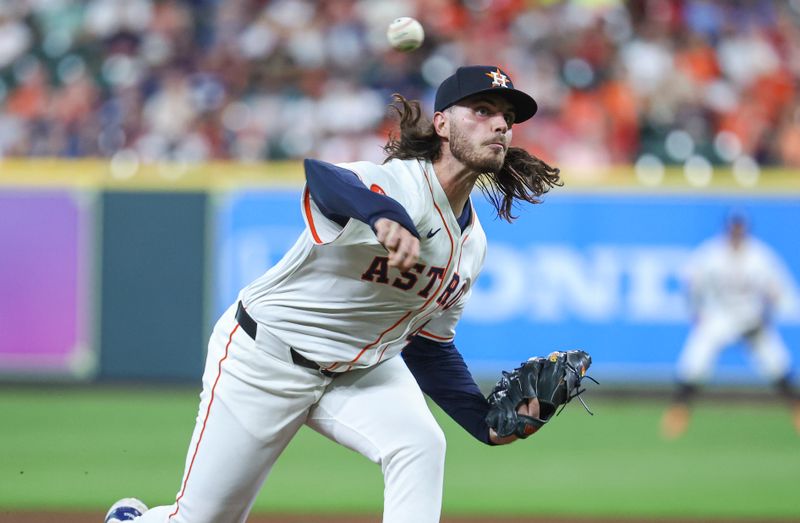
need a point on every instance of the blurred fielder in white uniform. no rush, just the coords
(386, 263)
(735, 283)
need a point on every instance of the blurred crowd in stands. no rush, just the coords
(658, 81)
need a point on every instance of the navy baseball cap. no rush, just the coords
(474, 79)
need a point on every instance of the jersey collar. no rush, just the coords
(441, 199)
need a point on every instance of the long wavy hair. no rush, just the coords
(522, 177)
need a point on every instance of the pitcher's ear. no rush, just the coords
(441, 124)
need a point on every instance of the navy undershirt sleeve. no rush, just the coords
(340, 195)
(442, 374)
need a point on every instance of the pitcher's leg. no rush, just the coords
(251, 406)
(381, 413)
(226, 467)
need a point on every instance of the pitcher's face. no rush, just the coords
(480, 131)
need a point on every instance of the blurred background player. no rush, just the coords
(734, 285)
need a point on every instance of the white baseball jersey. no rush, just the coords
(738, 283)
(345, 308)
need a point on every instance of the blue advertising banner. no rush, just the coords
(597, 271)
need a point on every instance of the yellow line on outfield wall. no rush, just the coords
(220, 175)
(100, 174)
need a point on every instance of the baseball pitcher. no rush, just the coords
(388, 259)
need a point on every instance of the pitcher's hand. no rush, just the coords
(403, 246)
(529, 408)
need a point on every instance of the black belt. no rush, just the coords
(250, 326)
(247, 323)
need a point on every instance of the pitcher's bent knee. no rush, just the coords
(424, 448)
(436, 444)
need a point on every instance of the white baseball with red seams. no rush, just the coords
(352, 314)
(405, 34)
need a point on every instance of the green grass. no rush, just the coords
(81, 449)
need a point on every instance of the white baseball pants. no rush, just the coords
(713, 333)
(255, 399)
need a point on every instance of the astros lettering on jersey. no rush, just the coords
(352, 310)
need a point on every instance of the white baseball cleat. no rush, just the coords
(125, 510)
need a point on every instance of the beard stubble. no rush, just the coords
(463, 151)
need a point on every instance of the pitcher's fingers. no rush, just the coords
(530, 408)
(403, 263)
(407, 253)
(413, 251)
(396, 258)
(390, 236)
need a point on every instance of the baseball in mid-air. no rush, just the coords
(405, 34)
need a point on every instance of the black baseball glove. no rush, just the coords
(554, 380)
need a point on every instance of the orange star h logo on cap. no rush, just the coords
(498, 78)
